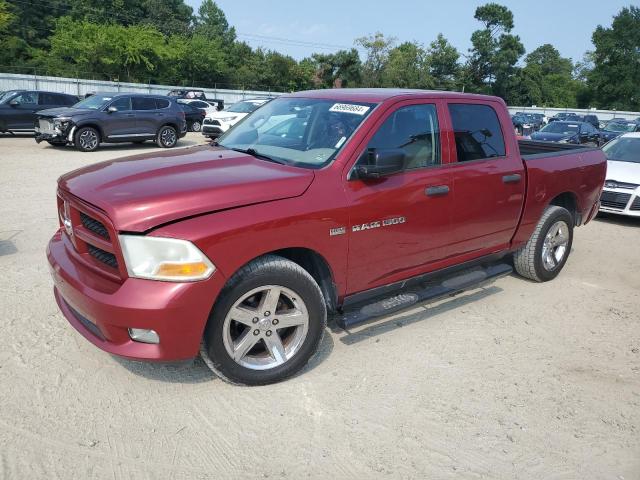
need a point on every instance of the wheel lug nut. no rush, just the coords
(275, 321)
(255, 319)
(267, 313)
(256, 332)
(268, 334)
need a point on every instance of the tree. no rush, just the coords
(494, 51)
(443, 63)
(377, 48)
(6, 17)
(212, 22)
(340, 69)
(407, 67)
(616, 62)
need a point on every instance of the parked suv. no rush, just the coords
(18, 107)
(113, 118)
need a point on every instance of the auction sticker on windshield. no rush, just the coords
(349, 108)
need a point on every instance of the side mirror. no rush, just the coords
(14, 103)
(378, 163)
(112, 109)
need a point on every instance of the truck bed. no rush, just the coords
(530, 149)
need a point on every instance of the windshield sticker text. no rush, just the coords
(349, 108)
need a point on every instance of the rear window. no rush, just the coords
(477, 131)
(143, 103)
(162, 103)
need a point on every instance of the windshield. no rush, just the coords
(5, 96)
(303, 132)
(565, 128)
(244, 107)
(94, 102)
(623, 149)
(620, 127)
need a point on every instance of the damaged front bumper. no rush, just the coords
(55, 130)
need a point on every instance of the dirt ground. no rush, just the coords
(516, 380)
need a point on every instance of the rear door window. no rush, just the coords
(477, 131)
(143, 103)
(49, 99)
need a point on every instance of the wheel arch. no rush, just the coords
(91, 124)
(314, 263)
(569, 201)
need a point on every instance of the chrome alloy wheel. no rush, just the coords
(196, 126)
(555, 245)
(265, 327)
(168, 137)
(88, 140)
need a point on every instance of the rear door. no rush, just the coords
(488, 180)
(147, 116)
(399, 224)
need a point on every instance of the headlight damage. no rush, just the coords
(167, 259)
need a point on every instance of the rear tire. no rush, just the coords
(87, 139)
(266, 324)
(196, 126)
(546, 252)
(167, 137)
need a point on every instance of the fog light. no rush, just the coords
(143, 335)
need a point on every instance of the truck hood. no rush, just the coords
(626, 172)
(144, 191)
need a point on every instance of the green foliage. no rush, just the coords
(614, 80)
(164, 41)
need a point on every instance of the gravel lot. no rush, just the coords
(516, 380)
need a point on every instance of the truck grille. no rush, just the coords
(614, 200)
(210, 121)
(94, 225)
(92, 236)
(636, 204)
(102, 256)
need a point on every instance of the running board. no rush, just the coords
(429, 290)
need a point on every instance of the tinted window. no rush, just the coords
(162, 103)
(50, 99)
(477, 132)
(69, 100)
(143, 103)
(27, 98)
(122, 104)
(413, 129)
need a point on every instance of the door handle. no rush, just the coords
(437, 190)
(514, 178)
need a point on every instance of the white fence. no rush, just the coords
(601, 114)
(79, 86)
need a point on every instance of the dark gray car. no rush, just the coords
(113, 118)
(18, 108)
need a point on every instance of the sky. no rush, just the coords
(300, 28)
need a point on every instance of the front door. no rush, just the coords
(399, 224)
(23, 113)
(121, 123)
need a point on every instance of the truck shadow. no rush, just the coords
(398, 320)
(196, 371)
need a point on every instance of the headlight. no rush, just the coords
(564, 140)
(169, 259)
(228, 119)
(61, 123)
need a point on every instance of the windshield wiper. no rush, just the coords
(254, 153)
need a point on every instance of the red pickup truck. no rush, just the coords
(349, 203)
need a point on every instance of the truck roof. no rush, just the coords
(381, 94)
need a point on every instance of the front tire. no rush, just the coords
(87, 139)
(196, 126)
(266, 324)
(546, 252)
